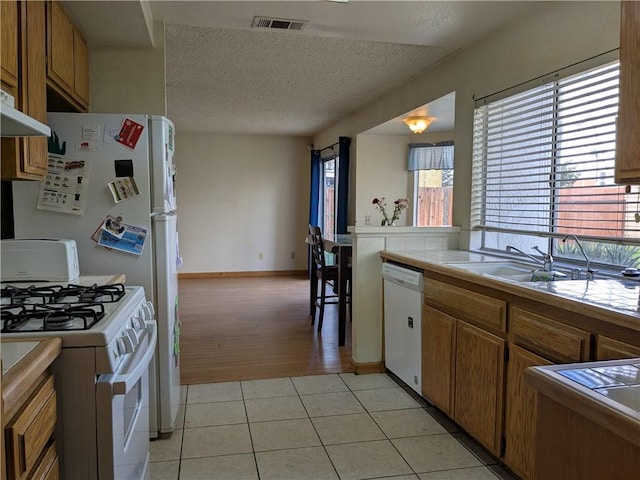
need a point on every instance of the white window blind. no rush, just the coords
(543, 161)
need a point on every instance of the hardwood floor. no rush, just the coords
(255, 327)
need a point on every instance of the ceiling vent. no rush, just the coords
(279, 23)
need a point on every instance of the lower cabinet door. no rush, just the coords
(520, 418)
(28, 434)
(479, 384)
(438, 358)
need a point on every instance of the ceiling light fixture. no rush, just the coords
(418, 124)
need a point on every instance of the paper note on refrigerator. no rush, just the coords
(65, 187)
(123, 189)
(132, 240)
(129, 133)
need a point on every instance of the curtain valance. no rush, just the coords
(430, 156)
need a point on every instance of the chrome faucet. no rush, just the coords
(548, 259)
(547, 262)
(586, 258)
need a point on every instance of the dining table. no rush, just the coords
(341, 246)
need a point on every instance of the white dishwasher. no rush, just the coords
(403, 291)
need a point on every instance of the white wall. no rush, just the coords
(381, 171)
(240, 195)
(553, 36)
(129, 80)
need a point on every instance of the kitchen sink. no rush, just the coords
(499, 269)
(510, 270)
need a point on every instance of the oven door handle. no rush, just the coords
(121, 384)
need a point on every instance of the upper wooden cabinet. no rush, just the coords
(67, 58)
(26, 158)
(9, 47)
(628, 130)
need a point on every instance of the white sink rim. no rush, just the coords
(505, 268)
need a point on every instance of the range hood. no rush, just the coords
(17, 124)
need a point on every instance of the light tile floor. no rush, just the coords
(346, 426)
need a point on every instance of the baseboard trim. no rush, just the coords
(365, 368)
(274, 273)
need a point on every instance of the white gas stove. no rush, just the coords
(109, 337)
(108, 316)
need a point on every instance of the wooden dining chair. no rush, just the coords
(327, 275)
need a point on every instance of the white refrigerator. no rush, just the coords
(111, 188)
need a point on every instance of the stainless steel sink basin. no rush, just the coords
(499, 269)
(510, 270)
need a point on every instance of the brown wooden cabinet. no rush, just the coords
(628, 128)
(520, 409)
(9, 47)
(438, 357)
(473, 375)
(610, 349)
(80, 68)
(547, 337)
(30, 449)
(534, 339)
(67, 58)
(479, 384)
(463, 361)
(26, 158)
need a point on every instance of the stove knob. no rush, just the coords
(127, 344)
(122, 348)
(139, 323)
(148, 309)
(131, 333)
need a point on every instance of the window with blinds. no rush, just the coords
(543, 162)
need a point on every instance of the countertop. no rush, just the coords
(23, 362)
(102, 279)
(609, 300)
(86, 280)
(608, 393)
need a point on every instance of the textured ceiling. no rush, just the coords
(223, 76)
(273, 82)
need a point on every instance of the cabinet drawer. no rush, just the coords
(610, 349)
(467, 305)
(31, 430)
(550, 339)
(48, 467)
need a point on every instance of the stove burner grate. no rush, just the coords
(59, 294)
(95, 293)
(30, 294)
(50, 317)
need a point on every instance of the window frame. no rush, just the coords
(550, 239)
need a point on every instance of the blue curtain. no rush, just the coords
(343, 185)
(314, 197)
(316, 173)
(430, 156)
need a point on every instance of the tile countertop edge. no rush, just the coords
(102, 279)
(609, 414)
(611, 315)
(20, 378)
